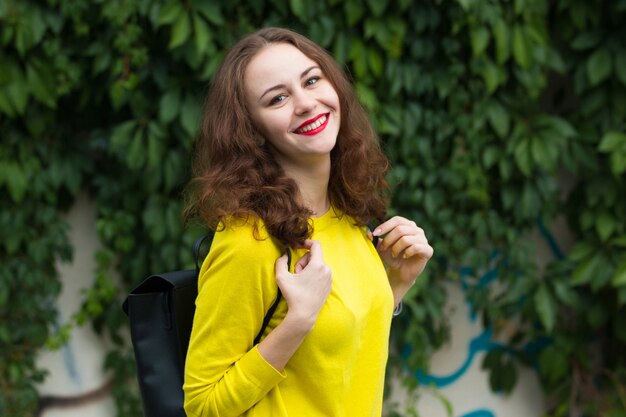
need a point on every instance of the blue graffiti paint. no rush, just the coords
(480, 343)
(68, 357)
(550, 240)
(479, 413)
(483, 342)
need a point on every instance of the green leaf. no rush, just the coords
(491, 155)
(170, 13)
(323, 31)
(202, 34)
(16, 180)
(23, 38)
(358, 58)
(340, 49)
(377, 6)
(546, 307)
(155, 149)
(375, 62)
(599, 66)
(612, 141)
(153, 217)
(553, 364)
(299, 8)
(173, 166)
(173, 218)
(366, 96)
(479, 38)
(605, 226)
(101, 62)
(586, 40)
(521, 51)
(502, 39)
(169, 106)
(498, 118)
(523, 157)
(619, 278)
(466, 4)
(618, 162)
(41, 88)
(586, 271)
(212, 11)
(562, 126)
(5, 105)
(565, 293)
(180, 31)
(582, 251)
(619, 241)
(354, 11)
(17, 92)
(120, 136)
(136, 151)
(190, 115)
(555, 61)
(491, 75)
(545, 151)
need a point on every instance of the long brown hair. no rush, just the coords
(234, 173)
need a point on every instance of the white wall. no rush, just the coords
(456, 375)
(77, 368)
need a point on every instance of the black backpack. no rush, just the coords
(160, 311)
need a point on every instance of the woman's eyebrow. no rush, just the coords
(279, 86)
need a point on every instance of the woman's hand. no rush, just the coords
(404, 249)
(305, 291)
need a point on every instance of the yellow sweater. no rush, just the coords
(338, 371)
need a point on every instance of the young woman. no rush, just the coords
(287, 160)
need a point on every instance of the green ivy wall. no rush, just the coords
(483, 106)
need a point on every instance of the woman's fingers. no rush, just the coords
(391, 224)
(399, 232)
(302, 262)
(423, 250)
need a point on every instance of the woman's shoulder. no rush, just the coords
(245, 234)
(241, 246)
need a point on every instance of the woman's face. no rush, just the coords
(292, 103)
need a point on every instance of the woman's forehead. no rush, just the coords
(277, 63)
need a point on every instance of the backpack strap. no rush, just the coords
(196, 256)
(272, 309)
(197, 245)
(371, 226)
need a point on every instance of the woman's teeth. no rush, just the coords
(313, 125)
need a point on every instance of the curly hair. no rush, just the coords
(234, 172)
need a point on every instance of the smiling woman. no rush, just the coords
(288, 161)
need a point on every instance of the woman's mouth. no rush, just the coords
(313, 126)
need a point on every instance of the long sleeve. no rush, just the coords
(225, 375)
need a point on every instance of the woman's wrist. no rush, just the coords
(299, 323)
(399, 287)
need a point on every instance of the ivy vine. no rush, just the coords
(500, 118)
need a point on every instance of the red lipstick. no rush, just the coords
(313, 120)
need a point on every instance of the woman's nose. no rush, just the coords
(304, 102)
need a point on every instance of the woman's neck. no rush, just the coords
(312, 181)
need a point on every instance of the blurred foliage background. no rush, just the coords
(500, 117)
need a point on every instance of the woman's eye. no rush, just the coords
(277, 99)
(312, 80)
